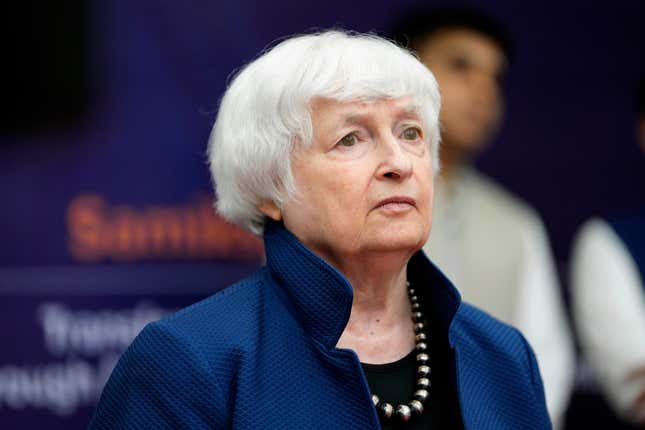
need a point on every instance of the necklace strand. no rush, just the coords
(415, 406)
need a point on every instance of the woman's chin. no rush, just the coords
(403, 240)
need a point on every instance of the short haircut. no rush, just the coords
(415, 26)
(266, 111)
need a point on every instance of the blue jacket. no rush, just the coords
(261, 355)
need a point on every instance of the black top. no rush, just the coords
(395, 382)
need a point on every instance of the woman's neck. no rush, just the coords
(380, 328)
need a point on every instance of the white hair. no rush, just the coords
(266, 110)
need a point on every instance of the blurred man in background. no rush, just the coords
(608, 293)
(490, 243)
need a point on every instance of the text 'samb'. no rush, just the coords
(98, 231)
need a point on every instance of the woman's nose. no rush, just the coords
(396, 163)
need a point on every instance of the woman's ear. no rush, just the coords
(270, 209)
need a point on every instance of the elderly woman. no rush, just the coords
(327, 146)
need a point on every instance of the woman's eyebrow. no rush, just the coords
(354, 118)
(407, 111)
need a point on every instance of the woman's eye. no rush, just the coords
(349, 140)
(411, 133)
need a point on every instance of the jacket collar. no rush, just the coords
(320, 297)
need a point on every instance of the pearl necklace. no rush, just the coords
(414, 407)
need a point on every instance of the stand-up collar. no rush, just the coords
(437, 294)
(320, 296)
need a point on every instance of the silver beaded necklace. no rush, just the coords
(414, 406)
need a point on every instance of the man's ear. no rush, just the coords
(270, 209)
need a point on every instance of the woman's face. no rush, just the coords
(365, 183)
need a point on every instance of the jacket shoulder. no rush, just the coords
(161, 381)
(476, 327)
(477, 331)
(176, 363)
(228, 312)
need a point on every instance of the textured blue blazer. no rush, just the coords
(261, 355)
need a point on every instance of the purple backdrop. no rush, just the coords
(106, 224)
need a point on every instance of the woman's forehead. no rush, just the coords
(357, 110)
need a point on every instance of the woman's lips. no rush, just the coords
(396, 204)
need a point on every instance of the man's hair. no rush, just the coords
(416, 25)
